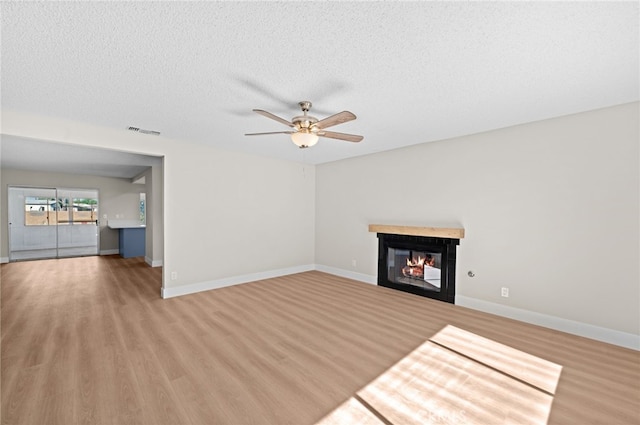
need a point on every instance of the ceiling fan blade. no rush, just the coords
(339, 118)
(340, 136)
(270, 132)
(274, 117)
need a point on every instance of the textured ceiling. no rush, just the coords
(412, 72)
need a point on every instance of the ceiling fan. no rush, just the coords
(307, 129)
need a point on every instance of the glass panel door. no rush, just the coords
(32, 223)
(52, 223)
(77, 222)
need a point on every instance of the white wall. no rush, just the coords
(232, 214)
(550, 210)
(225, 214)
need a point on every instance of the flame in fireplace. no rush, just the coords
(418, 263)
(414, 268)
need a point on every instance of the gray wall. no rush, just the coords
(550, 210)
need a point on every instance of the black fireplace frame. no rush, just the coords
(445, 246)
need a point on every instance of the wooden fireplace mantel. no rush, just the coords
(435, 232)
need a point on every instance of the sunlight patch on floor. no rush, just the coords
(456, 377)
(351, 412)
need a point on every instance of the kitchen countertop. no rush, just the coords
(125, 224)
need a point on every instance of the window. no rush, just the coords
(45, 211)
(62, 208)
(85, 210)
(143, 208)
(38, 211)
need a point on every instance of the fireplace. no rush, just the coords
(422, 265)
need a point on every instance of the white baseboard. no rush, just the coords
(110, 252)
(235, 280)
(4, 260)
(610, 336)
(576, 328)
(348, 274)
(153, 263)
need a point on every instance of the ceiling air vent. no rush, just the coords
(143, 131)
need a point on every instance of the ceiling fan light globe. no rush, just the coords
(304, 139)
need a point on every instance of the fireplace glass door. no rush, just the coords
(421, 269)
(421, 265)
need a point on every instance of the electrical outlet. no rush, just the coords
(174, 275)
(354, 263)
(505, 292)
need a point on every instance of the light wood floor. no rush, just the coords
(89, 341)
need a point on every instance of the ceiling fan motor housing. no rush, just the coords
(304, 121)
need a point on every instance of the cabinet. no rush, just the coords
(131, 236)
